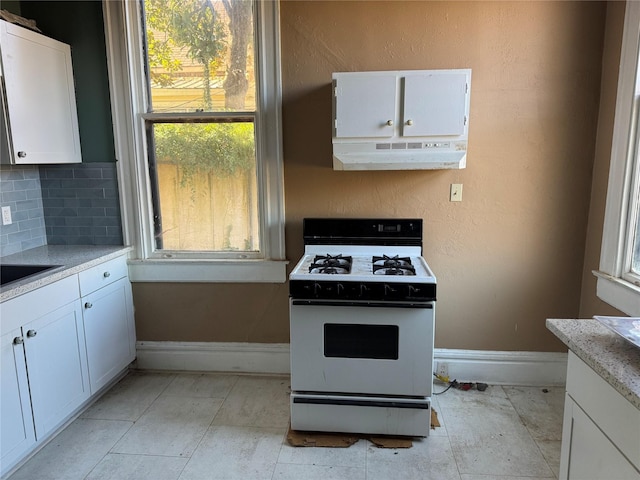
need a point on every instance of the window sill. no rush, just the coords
(618, 293)
(208, 271)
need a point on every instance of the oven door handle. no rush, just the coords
(424, 405)
(329, 303)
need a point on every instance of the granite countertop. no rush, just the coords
(616, 360)
(70, 259)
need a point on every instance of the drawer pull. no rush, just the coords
(31, 333)
(18, 341)
(106, 274)
(88, 305)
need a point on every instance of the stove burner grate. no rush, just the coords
(395, 265)
(331, 264)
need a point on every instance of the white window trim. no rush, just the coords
(122, 34)
(612, 287)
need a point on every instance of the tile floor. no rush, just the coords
(181, 426)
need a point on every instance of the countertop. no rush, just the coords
(70, 258)
(616, 360)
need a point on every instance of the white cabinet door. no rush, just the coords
(366, 105)
(587, 453)
(40, 97)
(16, 423)
(108, 327)
(434, 104)
(56, 362)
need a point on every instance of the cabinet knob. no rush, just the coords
(88, 305)
(106, 274)
(409, 122)
(18, 341)
(390, 123)
(22, 154)
(31, 333)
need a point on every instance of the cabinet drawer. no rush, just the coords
(618, 419)
(101, 275)
(25, 308)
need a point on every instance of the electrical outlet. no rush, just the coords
(6, 215)
(443, 369)
(456, 192)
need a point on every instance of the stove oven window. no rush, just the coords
(361, 341)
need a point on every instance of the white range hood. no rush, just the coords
(401, 120)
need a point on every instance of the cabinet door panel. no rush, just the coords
(40, 97)
(107, 320)
(587, 453)
(17, 433)
(56, 359)
(434, 104)
(364, 105)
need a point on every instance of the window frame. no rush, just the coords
(123, 34)
(615, 285)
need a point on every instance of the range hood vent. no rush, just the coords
(401, 120)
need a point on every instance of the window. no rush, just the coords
(619, 274)
(195, 88)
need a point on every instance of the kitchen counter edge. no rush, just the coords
(610, 356)
(72, 259)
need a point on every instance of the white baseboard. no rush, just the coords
(504, 368)
(493, 367)
(214, 357)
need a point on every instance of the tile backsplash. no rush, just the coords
(60, 205)
(20, 191)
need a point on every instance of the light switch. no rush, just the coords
(456, 192)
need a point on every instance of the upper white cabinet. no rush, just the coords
(40, 115)
(415, 119)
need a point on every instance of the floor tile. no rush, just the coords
(256, 402)
(208, 385)
(353, 456)
(136, 467)
(429, 458)
(540, 409)
(172, 426)
(74, 452)
(130, 397)
(318, 472)
(235, 453)
(490, 453)
(551, 452)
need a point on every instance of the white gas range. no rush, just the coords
(362, 312)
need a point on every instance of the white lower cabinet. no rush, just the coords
(56, 362)
(44, 368)
(61, 344)
(601, 429)
(108, 328)
(16, 422)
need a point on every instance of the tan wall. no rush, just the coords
(507, 257)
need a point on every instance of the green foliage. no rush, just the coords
(190, 24)
(223, 149)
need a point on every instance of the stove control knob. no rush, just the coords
(339, 289)
(389, 290)
(364, 291)
(316, 289)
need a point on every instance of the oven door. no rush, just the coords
(367, 349)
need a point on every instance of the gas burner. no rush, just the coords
(329, 270)
(331, 264)
(399, 270)
(395, 265)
